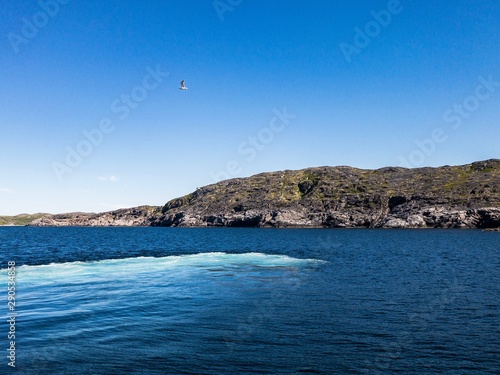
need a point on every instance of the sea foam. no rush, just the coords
(117, 268)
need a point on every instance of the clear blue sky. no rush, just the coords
(407, 91)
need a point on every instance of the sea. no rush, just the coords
(249, 301)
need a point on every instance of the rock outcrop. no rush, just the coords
(137, 216)
(466, 196)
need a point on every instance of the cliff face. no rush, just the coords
(459, 196)
(465, 196)
(137, 216)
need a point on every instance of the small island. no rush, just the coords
(465, 196)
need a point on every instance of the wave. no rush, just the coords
(113, 268)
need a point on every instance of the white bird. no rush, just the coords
(182, 86)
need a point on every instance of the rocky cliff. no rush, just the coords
(466, 196)
(127, 217)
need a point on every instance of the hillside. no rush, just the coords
(466, 196)
(19, 220)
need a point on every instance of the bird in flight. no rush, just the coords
(183, 87)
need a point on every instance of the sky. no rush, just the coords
(92, 118)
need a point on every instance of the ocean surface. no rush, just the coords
(251, 301)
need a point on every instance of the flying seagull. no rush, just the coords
(182, 86)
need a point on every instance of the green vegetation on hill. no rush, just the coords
(22, 219)
(465, 196)
(346, 197)
(465, 186)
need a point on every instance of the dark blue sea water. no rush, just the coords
(252, 301)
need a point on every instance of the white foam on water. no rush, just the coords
(117, 268)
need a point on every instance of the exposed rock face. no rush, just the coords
(448, 197)
(138, 216)
(465, 196)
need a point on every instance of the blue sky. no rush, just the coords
(271, 87)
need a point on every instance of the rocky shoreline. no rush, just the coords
(466, 196)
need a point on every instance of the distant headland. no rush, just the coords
(465, 196)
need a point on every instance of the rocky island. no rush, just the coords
(466, 196)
